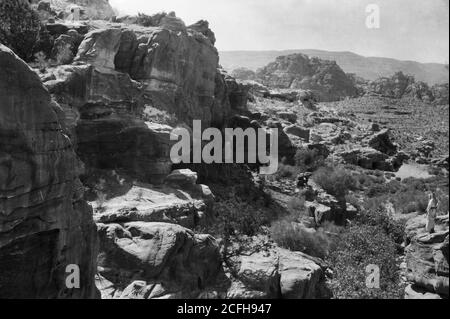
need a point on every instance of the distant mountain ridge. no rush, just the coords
(369, 68)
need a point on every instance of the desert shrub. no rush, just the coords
(294, 237)
(296, 206)
(19, 27)
(308, 160)
(377, 188)
(335, 181)
(380, 218)
(407, 196)
(443, 202)
(286, 171)
(374, 238)
(410, 201)
(362, 245)
(234, 217)
(353, 200)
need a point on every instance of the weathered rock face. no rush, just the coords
(120, 72)
(155, 260)
(427, 260)
(177, 69)
(45, 224)
(325, 78)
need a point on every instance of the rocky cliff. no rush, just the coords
(125, 78)
(45, 225)
(111, 94)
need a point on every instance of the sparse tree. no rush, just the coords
(19, 27)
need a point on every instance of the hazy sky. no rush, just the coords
(409, 29)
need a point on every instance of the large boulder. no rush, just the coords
(267, 271)
(300, 277)
(381, 141)
(367, 158)
(169, 256)
(45, 225)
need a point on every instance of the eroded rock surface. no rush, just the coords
(45, 224)
(297, 71)
(427, 259)
(155, 260)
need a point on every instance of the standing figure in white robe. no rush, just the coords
(431, 213)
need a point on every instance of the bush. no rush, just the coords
(410, 202)
(335, 181)
(235, 217)
(308, 160)
(19, 28)
(360, 246)
(286, 171)
(380, 218)
(296, 206)
(373, 239)
(294, 237)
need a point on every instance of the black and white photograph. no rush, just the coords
(225, 156)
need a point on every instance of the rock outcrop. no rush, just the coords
(45, 225)
(155, 260)
(263, 270)
(404, 86)
(297, 71)
(123, 72)
(427, 259)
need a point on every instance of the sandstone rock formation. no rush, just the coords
(325, 78)
(263, 270)
(121, 71)
(45, 225)
(155, 260)
(401, 85)
(372, 159)
(427, 259)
